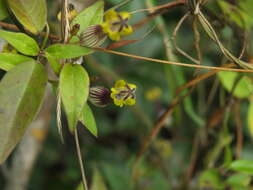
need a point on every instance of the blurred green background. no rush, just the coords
(197, 124)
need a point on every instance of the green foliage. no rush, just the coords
(10, 60)
(245, 166)
(22, 42)
(98, 182)
(30, 13)
(54, 62)
(21, 92)
(67, 51)
(90, 16)
(211, 179)
(3, 10)
(239, 181)
(74, 90)
(243, 89)
(182, 156)
(88, 120)
(241, 17)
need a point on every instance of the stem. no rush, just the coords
(173, 63)
(84, 181)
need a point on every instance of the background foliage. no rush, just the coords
(205, 144)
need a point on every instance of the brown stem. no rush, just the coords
(239, 130)
(15, 28)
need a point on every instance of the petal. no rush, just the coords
(110, 14)
(124, 15)
(106, 27)
(130, 101)
(114, 35)
(118, 102)
(126, 31)
(120, 84)
(132, 86)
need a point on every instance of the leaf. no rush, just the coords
(10, 60)
(3, 10)
(244, 87)
(30, 13)
(90, 16)
(245, 166)
(67, 51)
(74, 90)
(239, 180)
(54, 63)
(22, 42)
(211, 179)
(88, 120)
(98, 182)
(250, 118)
(237, 15)
(21, 93)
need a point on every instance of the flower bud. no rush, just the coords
(93, 36)
(74, 30)
(99, 96)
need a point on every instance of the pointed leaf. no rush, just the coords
(22, 42)
(10, 60)
(245, 166)
(54, 63)
(74, 89)
(88, 120)
(30, 13)
(67, 51)
(90, 16)
(244, 87)
(21, 92)
(3, 10)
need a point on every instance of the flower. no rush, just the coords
(115, 24)
(99, 96)
(123, 93)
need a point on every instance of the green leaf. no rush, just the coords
(244, 87)
(245, 166)
(10, 60)
(98, 182)
(23, 43)
(54, 63)
(88, 120)
(30, 13)
(250, 118)
(236, 14)
(3, 10)
(211, 179)
(21, 93)
(67, 51)
(90, 16)
(74, 90)
(239, 180)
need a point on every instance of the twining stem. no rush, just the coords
(173, 63)
(84, 181)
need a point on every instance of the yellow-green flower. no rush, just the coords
(123, 93)
(115, 24)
